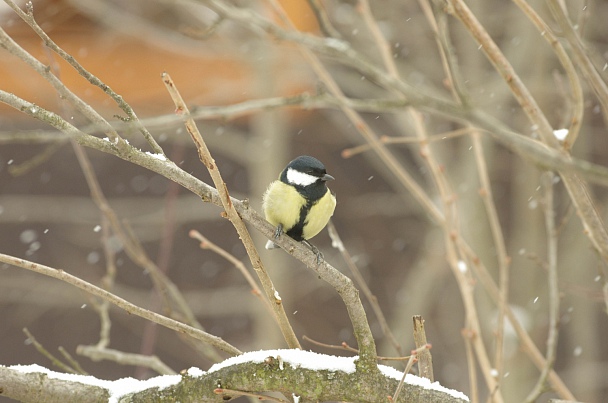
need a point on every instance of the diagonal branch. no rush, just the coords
(121, 303)
(236, 220)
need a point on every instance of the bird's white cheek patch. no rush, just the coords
(300, 178)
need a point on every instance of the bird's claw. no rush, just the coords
(279, 231)
(315, 251)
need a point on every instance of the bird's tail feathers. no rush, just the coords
(271, 245)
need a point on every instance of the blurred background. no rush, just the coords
(48, 216)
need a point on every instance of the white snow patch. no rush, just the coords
(295, 358)
(157, 156)
(422, 382)
(560, 134)
(195, 372)
(116, 388)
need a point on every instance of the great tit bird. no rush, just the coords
(299, 203)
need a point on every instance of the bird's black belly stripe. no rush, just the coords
(297, 231)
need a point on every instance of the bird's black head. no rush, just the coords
(308, 173)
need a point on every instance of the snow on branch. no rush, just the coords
(309, 375)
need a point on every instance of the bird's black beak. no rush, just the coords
(327, 177)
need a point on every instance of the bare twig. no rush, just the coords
(107, 283)
(459, 91)
(547, 184)
(121, 303)
(345, 347)
(576, 119)
(408, 367)
(12, 47)
(526, 341)
(337, 243)
(323, 19)
(54, 360)
(467, 336)
(205, 243)
(233, 216)
(507, 72)
(75, 364)
(594, 226)
(29, 19)
(37, 160)
(425, 360)
(120, 357)
(580, 55)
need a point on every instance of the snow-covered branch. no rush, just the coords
(295, 373)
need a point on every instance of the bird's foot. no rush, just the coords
(315, 251)
(279, 231)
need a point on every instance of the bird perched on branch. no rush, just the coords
(299, 203)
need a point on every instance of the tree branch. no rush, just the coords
(121, 303)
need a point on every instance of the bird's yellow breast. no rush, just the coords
(283, 204)
(319, 215)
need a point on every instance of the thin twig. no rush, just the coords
(408, 367)
(351, 152)
(459, 91)
(345, 347)
(75, 364)
(37, 160)
(594, 226)
(337, 243)
(526, 341)
(323, 19)
(467, 336)
(233, 216)
(107, 283)
(121, 303)
(12, 47)
(501, 249)
(425, 360)
(205, 243)
(30, 20)
(576, 119)
(54, 360)
(580, 55)
(506, 70)
(120, 357)
(553, 286)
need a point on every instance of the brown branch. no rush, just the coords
(96, 353)
(580, 55)
(547, 184)
(121, 303)
(410, 362)
(207, 244)
(425, 360)
(232, 214)
(132, 117)
(42, 350)
(337, 243)
(576, 119)
(12, 47)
